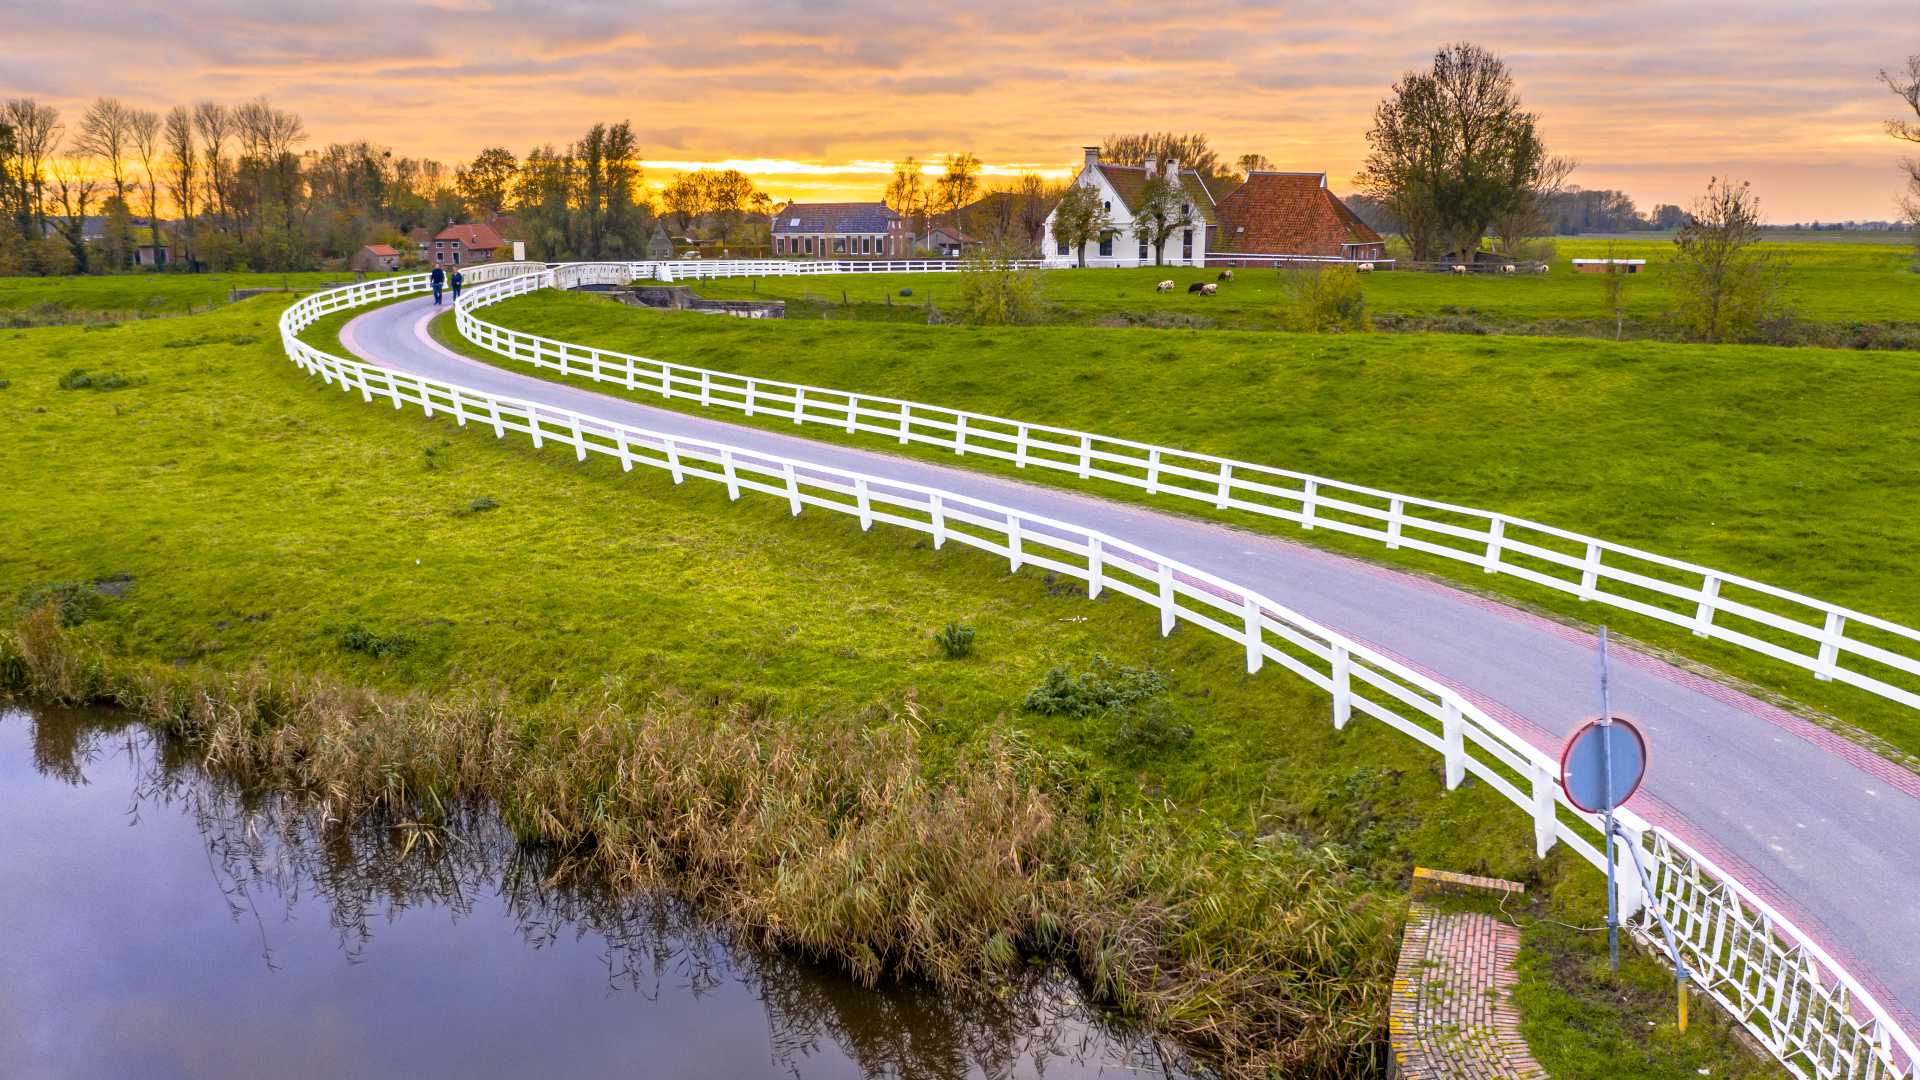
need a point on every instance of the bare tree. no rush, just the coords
(74, 185)
(958, 185)
(1190, 150)
(106, 132)
(145, 127)
(36, 137)
(215, 126)
(1253, 163)
(183, 168)
(1906, 87)
(907, 194)
(1724, 289)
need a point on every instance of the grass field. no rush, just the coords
(244, 517)
(1832, 285)
(1770, 463)
(110, 297)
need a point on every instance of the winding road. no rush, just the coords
(1826, 832)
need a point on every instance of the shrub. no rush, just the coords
(82, 379)
(74, 602)
(994, 293)
(1104, 687)
(1324, 299)
(380, 646)
(1152, 726)
(479, 505)
(955, 640)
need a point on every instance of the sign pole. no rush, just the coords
(1606, 768)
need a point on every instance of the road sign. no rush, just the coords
(1592, 781)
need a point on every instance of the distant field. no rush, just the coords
(1780, 464)
(1831, 283)
(51, 299)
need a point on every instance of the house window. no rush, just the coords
(1061, 247)
(809, 245)
(839, 245)
(1186, 245)
(1143, 249)
(1107, 205)
(1106, 246)
(456, 258)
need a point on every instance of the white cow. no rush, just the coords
(1165, 286)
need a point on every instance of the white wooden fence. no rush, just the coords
(1834, 642)
(1789, 993)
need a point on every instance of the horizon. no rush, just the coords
(815, 103)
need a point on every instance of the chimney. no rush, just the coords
(1093, 155)
(1173, 168)
(1151, 162)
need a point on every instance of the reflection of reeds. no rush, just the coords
(832, 838)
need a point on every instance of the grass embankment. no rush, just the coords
(102, 298)
(393, 612)
(1773, 464)
(1842, 290)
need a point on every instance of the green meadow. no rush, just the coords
(1771, 463)
(393, 611)
(32, 301)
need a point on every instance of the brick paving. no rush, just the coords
(1451, 1014)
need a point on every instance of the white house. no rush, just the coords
(1122, 188)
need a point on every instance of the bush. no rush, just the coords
(380, 646)
(1323, 300)
(1104, 687)
(480, 505)
(1150, 727)
(994, 293)
(82, 379)
(955, 640)
(74, 602)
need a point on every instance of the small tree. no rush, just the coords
(1080, 218)
(1724, 288)
(996, 292)
(1906, 87)
(1614, 289)
(1164, 210)
(1323, 299)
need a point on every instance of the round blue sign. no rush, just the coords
(1585, 771)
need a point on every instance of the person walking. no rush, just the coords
(439, 280)
(457, 282)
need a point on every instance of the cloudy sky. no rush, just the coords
(817, 96)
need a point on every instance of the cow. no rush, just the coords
(1458, 269)
(1508, 269)
(1165, 286)
(1209, 289)
(1365, 268)
(1197, 287)
(1226, 275)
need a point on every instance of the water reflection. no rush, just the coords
(163, 922)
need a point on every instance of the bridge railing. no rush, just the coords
(1833, 642)
(1774, 979)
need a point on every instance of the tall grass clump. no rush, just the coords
(1323, 300)
(830, 836)
(955, 640)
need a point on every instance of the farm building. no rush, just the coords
(1123, 189)
(1602, 266)
(375, 257)
(467, 245)
(949, 242)
(840, 230)
(1276, 216)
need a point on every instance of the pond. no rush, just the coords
(161, 923)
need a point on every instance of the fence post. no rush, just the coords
(706, 388)
(1153, 471)
(793, 489)
(1632, 897)
(960, 435)
(1309, 490)
(579, 441)
(626, 454)
(673, 461)
(1342, 687)
(750, 388)
(1453, 739)
(1590, 573)
(860, 498)
(1020, 448)
(533, 425)
(1703, 615)
(1830, 646)
(1096, 567)
(1396, 517)
(1546, 821)
(939, 521)
(906, 421)
(799, 404)
(1256, 651)
(666, 381)
(1495, 530)
(1013, 543)
(853, 411)
(1086, 456)
(726, 466)
(1226, 486)
(499, 426)
(1166, 598)
(627, 368)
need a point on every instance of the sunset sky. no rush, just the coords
(816, 98)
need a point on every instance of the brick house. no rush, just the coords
(840, 231)
(468, 245)
(1275, 215)
(375, 257)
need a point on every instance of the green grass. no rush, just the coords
(111, 297)
(1768, 463)
(243, 516)
(1830, 284)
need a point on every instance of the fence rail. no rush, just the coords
(1793, 997)
(1833, 642)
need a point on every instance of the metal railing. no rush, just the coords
(1781, 986)
(1834, 642)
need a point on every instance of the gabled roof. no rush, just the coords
(848, 217)
(1130, 183)
(949, 232)
(380, 249)
(471, 237)
(1289, 213)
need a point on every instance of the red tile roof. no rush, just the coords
(1276, 213)
(471, 237)
(382, 249)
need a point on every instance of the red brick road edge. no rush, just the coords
(1451, 1016)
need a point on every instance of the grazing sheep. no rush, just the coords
(1226, 275)
(1365, 268)
(1197, 287)
(1458, 269)
(1508, 269)
(1542, 268)
(1209, 289)
(1165, 286)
